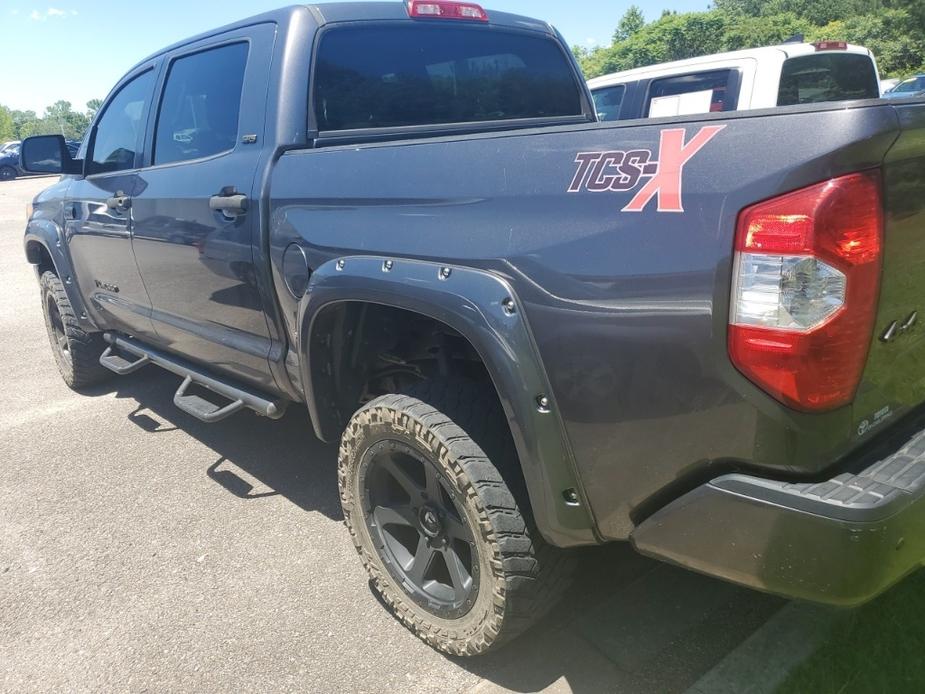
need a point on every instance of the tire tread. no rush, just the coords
(472, 430)
(83, 369)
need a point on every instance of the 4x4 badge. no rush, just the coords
(600, 172)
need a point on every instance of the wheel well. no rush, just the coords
(38, 255)
(360, 351)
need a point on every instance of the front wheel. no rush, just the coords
(7, 173)
(436, 525)
(76, 351)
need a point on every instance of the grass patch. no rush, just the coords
(877, 648)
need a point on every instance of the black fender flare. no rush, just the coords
(482, 307)
(48, 235)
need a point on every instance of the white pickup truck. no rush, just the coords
(785, 75)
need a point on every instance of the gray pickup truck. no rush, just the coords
(529, 331)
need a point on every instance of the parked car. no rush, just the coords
(529, 331)
(8, 146)
(913, 86)
(785, 75)
(9, 163)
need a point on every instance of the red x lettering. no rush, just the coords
(673, 154)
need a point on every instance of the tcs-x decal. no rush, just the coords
(600, 172)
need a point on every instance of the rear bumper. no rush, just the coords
(840, 542)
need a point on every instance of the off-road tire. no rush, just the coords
(77, 352)
(520, 577)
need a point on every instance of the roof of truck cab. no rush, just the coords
(398, 10)
(790, 50)
(336, 12)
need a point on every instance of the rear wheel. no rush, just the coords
(7, 173)
(76, 351)
(437, 526)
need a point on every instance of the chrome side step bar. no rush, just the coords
(194, 405)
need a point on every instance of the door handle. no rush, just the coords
(120, 201)
(228, 203)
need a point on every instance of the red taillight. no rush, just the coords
(831, 45)
(804, 296)
(444, 9)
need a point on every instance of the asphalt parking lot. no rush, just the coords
(143, 550)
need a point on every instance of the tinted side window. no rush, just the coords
(607, 102)
(201, 104)
(390, 76)
(700, 92)
(810, 79)
(120, 130)
(911, 86)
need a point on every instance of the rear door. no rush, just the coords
(98, 213)
(196, 221)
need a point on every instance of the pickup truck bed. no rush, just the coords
(528, 333)
(628, 310)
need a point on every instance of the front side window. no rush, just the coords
(684, 95)
(812, 79)
(120, 130)
(201, 105)
(607, 102)
(393, 76)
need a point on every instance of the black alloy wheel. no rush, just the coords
(419, 528)
(448, 547)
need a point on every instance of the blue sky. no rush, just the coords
(77, 49)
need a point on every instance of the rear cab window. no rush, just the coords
(386, 76)
(820, 77)
(694, 93)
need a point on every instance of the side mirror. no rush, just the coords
(47, 154)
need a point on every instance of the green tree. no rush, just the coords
(632, 21)
(749, 8)
(896, 39)
(671, 37)
(743, 31)
(58, 119)
(92, 107)
(65, 120)
(816, 11)
(591, 61)
(26, 123)
(7, 129)
(914, 8)
(893, 29)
